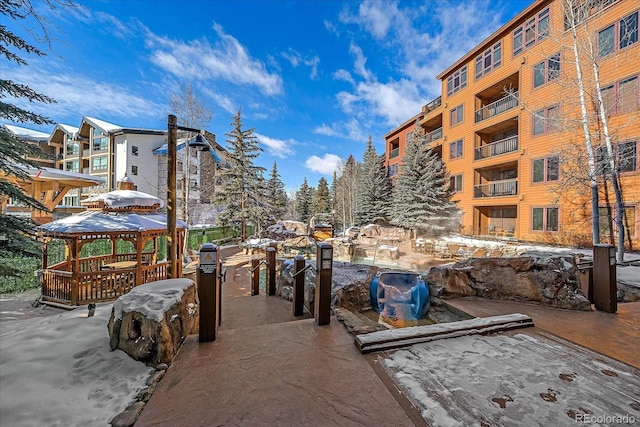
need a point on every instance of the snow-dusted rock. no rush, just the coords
(151, 322)
(549, 279)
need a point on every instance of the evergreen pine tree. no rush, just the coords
(16, 233)
(304, 204)
(239, 192)
(421, 196)
(374, 188)
(276, 194)
(322, 197)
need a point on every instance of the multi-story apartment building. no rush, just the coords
(52, 149)
(108, 151)
(508, 124)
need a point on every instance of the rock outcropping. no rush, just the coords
(547, 279)
(151, 322)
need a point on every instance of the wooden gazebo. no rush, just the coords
(122, 214)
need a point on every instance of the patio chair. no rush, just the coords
(449, 252)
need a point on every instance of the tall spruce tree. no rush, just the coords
(276, 194)
(322, 197)
(238, 192)
(304, 205)
(421, 195)
(16, 233)
(374, 187)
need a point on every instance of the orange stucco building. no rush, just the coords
(507, 125)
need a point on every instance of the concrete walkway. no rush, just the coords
(268, 368)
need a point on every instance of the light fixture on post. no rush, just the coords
(174, 269)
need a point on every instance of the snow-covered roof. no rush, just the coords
(101, 124)
(28, 134)
(58, 174)
(164, 149)
(124, 198)
(68, 129)
(94, 221)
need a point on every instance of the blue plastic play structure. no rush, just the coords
(400, 288)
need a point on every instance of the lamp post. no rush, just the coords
(172, 148)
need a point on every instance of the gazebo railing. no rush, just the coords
(87, 287)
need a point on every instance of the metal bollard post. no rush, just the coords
(605, 289)
(255, 276)
(298, 285)
(271, 271)
(208, 292)
(322, 303)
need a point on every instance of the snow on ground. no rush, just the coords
(514, 380)
(57, 370)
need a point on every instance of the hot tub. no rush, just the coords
(393, 290)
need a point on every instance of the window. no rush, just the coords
(455, 183)
(621, 97)
(545, 120)
(583, 10)
(456, 115)
(626, 154)
(455, 149)
(457, 81)
(535, 29)
(546, 71)
(134, 170)
(547, 169)
(134, 150)
(72, 166)
(99, 163)
(73, 148)
(606, 217)
(544, 219)
(100, 144)
(488, 60)
(393, 169)
(619, 35)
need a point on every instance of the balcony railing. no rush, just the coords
(433, 135)
(503, 146)
(497, 107)
(505, 187)
(433, 104)
(85, 153)
(394, 153)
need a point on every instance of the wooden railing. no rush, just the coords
(497, 107)
(85, 287)
(503, 146)
(505, 187)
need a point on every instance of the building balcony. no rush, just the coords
(507, 145)
(433, 135)
(85, 153)
(394, 153)
(505, 187)
(433, 105)
(497, 107)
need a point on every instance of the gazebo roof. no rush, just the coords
(96, 221)
(125, 198)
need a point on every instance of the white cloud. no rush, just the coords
(343, 75)
(326, 130)
(296, 59)
(325, 165)
(227, 60)
(72, 91)
(277, 147)
(226, 103)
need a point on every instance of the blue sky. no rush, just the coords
(315, 78)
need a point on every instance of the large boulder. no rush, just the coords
(548, 279)
(151, 322)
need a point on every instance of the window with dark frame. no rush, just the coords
(626, 157)
(455, 149)
(455, 183)
(621, 34)
(622, 96)
(546, 169)
(545, 120)
(544, 219)
(134, 150)
(546, 71)
(488, 60)
(532, 31)
(456, 115)
(134, 170)
(457, 81)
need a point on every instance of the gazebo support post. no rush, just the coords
(75, 267)
(139, 243)
(172, 149)
(113, 248)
